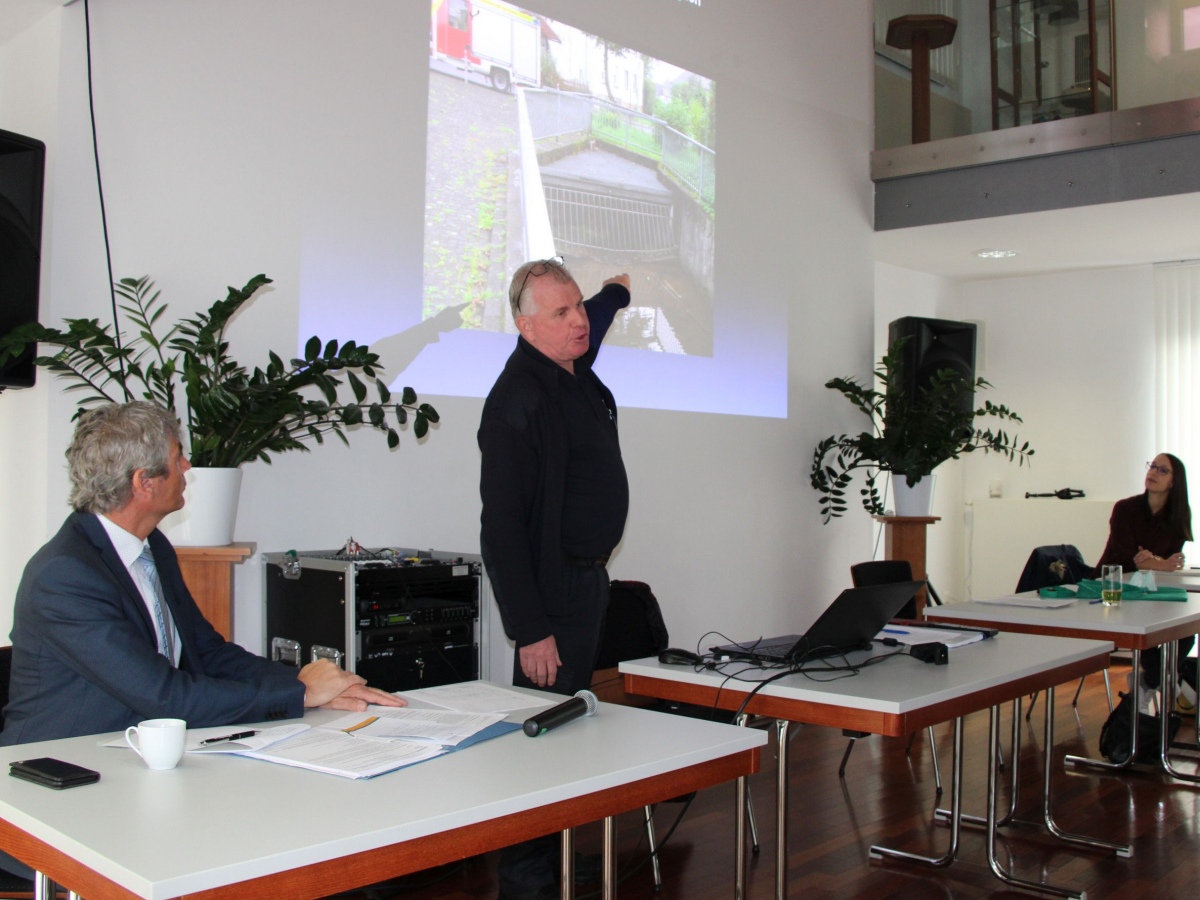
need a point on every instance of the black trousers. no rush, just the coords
(1152, 663)
(528, 866)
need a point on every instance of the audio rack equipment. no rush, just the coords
(401, 618)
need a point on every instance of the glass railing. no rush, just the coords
(1014, 63)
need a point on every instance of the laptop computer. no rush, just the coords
(849, 623)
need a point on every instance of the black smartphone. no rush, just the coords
(53, 773)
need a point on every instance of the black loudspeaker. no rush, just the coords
(934, 345)
(22, 170)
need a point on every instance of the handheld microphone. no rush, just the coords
(584, 703)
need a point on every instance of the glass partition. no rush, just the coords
(1022, 62)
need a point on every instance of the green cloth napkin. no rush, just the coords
(1089, 589)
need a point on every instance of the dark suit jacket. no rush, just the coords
(85, 658)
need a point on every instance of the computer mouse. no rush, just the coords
(673, 656)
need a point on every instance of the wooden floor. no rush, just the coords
(888, 797)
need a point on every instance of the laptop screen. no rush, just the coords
(849, 623)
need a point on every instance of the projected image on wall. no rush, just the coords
(544, 141)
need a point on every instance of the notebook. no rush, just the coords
(848, 624)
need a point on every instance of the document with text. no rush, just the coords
(444, 728)
(478, 697)
(339, 753)
(911, 635)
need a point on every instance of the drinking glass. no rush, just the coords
(1110, 585)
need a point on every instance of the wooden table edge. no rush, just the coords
(872, 721)
(1122, 639)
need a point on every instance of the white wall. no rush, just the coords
(1152, 66)
(1073, 353)
(211, 114)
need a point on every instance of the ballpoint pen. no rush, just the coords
(228, 737)
(894, 631)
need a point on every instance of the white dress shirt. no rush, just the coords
(129, 547)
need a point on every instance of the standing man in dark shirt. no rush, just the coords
(555, 497)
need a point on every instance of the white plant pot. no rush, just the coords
(209, 509)
(912, 501)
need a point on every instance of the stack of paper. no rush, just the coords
(384, 738)
(911, 635)
(1029, 600)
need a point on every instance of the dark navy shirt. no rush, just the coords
(597, 489)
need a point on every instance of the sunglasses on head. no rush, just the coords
(541, 268)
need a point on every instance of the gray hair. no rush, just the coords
(111, 443)
(520, 289)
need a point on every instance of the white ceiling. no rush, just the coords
(1134, 232)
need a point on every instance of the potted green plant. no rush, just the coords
(231, 415)
(910, 436)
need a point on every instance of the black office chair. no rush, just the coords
(12, 886)
(1052, 565)
(889, 571)
(634, 629)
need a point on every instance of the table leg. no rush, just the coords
(741, 792)
(981, 821)
(1169, 689)
(739, 838)
(608, 885)
(1103, 763)
(781, 835)
(1122, 850)
(993, 862)
(879, 852)
(1196, 711)
(567, 865)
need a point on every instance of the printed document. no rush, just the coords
(339, 753)
(443, 728)
(911, 635)
(1029, 600)
(477, 696)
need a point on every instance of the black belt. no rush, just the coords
(585, 562)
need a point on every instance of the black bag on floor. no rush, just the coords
(1116, 736)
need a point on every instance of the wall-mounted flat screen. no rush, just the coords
(22, 169)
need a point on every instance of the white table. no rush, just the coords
(1134, 625)
(223, 826)
(893, 698)
(1188, 579)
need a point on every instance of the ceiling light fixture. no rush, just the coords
(995, 254)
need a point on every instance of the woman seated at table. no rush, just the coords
(1148, 531)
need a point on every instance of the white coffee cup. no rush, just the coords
(159, 741)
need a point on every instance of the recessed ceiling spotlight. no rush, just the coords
(995, 254)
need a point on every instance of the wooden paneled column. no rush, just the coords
(208, 573)
(904, 538)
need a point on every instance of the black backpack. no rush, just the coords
(1116, 735)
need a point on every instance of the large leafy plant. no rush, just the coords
(910, 435)
(233, 415)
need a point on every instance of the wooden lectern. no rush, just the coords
(904, 538)
(920, 34)
(208, 574)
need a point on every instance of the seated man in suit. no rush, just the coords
(105, 633)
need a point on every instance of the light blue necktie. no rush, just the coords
(166, 643)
